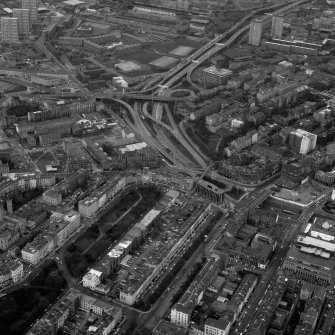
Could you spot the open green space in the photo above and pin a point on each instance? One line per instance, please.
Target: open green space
(204, 139)
(150, 195)
(19, 309)
(78, 259)
(108, 220)
(22, 109)
(4, 85)
(23, 197)
(78, 262)
(35, 155)
(86, 239)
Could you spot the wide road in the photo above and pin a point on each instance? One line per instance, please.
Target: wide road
(206, 49)
(163, 304)
(187, 66)
(255, 302)
(160, 127)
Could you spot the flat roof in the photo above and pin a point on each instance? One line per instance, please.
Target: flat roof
(202, 21)
(181, 51)
(219, 72)
(73, 2)
(164, 62)
(310, 259)
(95, 272)
(150, 217)
(315, 242)
(133, 147)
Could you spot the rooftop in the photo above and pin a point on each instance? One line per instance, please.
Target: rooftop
(218, 72)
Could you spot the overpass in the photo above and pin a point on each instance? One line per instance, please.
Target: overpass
(175, 74)
(187, 66)
(100, 96)
(255, 198)
(219, 46)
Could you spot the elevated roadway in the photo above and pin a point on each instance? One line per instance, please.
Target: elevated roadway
(100, 96)
(219, 46)
(186, 68)
(174, 130)
(132, 117)
(206, 51)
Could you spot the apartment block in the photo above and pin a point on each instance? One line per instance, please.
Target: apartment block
(277, 26)
(32, 5)
(9, 30)
(23, 20)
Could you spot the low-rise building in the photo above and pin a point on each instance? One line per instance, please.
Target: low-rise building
(39, 248)
(215, 76)
(54, 195)
(11, 270)
(327, 178)
(127, 66)
(181, 311)
(217, 327)
(50, 139)
(45, 81)
(107, 315)
(62, 226)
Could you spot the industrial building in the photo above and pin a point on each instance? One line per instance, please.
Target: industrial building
(311, 257)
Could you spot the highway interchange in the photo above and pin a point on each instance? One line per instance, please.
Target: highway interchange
(171, 141)
(183, 153)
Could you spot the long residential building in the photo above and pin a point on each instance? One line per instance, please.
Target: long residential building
(94, 278)
(136, 283)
